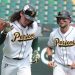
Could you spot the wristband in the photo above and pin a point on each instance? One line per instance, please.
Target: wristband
(50, 58)
(3, 32)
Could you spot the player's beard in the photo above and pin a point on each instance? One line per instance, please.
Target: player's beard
(63, 26)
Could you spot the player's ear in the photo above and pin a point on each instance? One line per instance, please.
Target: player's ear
(21, 13)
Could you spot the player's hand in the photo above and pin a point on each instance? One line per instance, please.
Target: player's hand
(35, 56)
(3, 24)
(8, 28)
(51, 64)
(73, 65)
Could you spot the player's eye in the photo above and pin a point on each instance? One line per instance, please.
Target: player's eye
(61, 18)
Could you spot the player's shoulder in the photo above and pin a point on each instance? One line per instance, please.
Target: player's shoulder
(12, 24)
(54, 31)
(73, 27)
(35, 24)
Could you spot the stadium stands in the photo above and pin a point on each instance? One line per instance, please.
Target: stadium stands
(47, 9)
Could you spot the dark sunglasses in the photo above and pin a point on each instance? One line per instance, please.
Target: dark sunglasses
(61, 18)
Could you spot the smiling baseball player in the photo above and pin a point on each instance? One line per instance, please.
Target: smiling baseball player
(62, 40)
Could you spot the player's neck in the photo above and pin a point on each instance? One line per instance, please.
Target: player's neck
(24, 26)
(65, 29)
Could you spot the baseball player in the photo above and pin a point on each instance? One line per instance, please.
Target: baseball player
(62, 39)
(17, 51)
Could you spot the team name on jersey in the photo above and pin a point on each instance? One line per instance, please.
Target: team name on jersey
(64, 43)
(19, 37)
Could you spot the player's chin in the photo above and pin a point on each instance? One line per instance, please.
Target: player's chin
(62, 26)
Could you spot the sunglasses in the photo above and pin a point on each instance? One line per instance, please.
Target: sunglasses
(61, 18)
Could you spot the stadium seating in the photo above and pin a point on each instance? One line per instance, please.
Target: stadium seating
(46, 9)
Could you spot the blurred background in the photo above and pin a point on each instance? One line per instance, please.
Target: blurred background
(46, 12)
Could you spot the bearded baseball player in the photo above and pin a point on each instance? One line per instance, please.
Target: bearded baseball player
(17, 51)
(62, 40)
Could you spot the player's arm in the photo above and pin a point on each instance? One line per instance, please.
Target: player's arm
(49, 50)
(35, 44)
(2, 37)
(35, 55)
(3, 32)
(49, 53)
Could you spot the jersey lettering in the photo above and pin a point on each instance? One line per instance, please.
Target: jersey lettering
(64, 43)
(19, 37)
